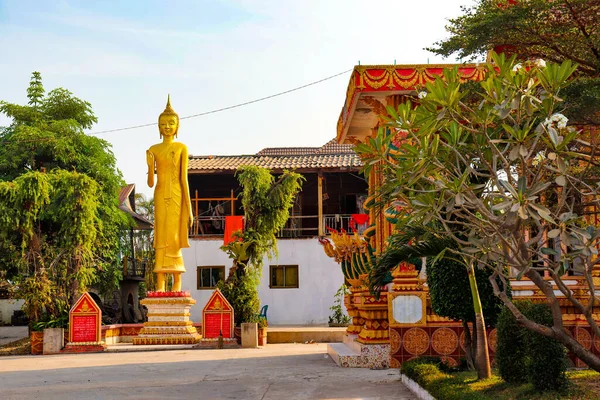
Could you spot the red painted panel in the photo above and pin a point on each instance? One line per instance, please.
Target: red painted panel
(85, 328)
(215, 323)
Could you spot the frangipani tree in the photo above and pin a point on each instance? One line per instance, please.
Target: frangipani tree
(499, 169)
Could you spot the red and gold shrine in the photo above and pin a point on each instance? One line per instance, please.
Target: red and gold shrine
(217, 317)
(85, 324)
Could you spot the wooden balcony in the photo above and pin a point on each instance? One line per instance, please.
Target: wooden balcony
(297, 226)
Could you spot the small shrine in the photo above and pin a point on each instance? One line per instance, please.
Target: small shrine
(85, 322)
(217, 322)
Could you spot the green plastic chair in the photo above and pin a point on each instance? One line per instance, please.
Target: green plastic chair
(263, 312)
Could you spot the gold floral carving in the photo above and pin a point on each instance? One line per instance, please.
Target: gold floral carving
(583, 337)
(377, 81)
(444, 341)
(416, 341)
(130, 331)
(493, 340)
(181, 314)
(597, 342)
(395, 341)
(350, 92)
(169, 331)
(394, 363)
(172, 300)
(168, 323)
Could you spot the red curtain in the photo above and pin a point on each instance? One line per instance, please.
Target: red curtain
(232, 224)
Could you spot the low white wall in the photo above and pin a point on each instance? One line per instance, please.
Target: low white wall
(7, 306)
(319, 279)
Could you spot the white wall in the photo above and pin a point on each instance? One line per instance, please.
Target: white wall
(319, 279)
(7, 306)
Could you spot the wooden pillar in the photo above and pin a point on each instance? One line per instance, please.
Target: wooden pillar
(320, 203)
(232, 203)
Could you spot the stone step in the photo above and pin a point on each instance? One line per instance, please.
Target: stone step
(344, 356)
(301, 334)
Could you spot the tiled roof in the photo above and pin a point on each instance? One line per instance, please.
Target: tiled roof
(286, 151)
(331, 147)
(331, 155)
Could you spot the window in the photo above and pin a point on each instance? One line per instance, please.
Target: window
(209, 276)
(283, 276)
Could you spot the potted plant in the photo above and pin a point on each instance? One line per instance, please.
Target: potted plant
(262, 329)
(50, 326)
(338, 318)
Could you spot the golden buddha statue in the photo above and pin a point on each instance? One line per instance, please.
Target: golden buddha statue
(172, 207)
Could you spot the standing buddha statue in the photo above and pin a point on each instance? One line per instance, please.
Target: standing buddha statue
(172, 206)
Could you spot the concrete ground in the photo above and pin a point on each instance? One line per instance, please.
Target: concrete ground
(277, 371)
(11, 333)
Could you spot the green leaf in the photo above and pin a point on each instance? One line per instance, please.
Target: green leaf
(502, 206)
(553, 233)
(549, 251)
(553, 135)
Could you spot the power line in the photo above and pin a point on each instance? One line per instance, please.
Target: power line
(194, 115)
(229, 107)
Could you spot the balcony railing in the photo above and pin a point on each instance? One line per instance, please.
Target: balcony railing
(297, 226)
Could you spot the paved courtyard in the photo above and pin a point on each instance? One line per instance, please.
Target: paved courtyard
(278, 371)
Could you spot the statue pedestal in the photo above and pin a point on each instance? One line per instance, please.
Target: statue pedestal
(168, 319)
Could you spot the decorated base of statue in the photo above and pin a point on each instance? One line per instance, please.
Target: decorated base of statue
(168, 319)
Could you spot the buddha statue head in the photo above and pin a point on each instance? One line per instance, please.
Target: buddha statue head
(168, 121)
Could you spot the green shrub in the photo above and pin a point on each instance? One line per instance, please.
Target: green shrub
(547, 357)
(523, 355)
(242, 294)
(425, 373)
(510, 348)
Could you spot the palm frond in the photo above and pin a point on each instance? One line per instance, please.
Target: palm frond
(425, 243)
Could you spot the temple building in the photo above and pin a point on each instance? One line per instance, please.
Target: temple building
(401, 325)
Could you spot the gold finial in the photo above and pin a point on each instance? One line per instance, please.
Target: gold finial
(168, 109)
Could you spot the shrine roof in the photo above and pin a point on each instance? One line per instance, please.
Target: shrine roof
(374, 86)
(329, 156)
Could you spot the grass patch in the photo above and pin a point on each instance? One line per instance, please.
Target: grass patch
(17, 348)
(583, 385)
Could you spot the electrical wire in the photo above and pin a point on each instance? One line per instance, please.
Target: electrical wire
(230, 107)
(199, 114)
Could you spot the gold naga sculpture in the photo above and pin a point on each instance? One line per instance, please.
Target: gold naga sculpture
(172, 206)
(352, 252)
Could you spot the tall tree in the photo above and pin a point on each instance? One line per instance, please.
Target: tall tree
(59, 215)
(555, 31)
(267, 201)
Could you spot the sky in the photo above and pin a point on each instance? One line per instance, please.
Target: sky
(125, 57)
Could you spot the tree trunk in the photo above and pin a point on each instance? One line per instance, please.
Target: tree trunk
(468, 345)
(557, 331)
(482, 358)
